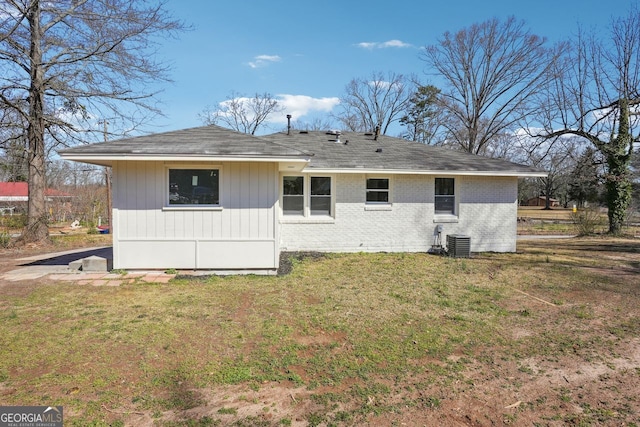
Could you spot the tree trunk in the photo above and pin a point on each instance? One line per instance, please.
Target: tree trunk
(618, 181)
(618, 186)
(37, 229)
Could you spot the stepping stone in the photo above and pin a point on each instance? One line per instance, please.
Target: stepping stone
(94, 263)
(75, 265)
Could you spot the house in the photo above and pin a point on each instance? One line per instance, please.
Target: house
(210, 198)
(15, 195)
(542, 201)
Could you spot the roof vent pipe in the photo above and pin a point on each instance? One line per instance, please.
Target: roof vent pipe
(288, 124)
(375, 138)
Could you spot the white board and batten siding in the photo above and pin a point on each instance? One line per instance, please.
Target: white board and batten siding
(240, 234)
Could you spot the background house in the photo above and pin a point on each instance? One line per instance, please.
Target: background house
(14, 197)
(211, 198)
(541, 201)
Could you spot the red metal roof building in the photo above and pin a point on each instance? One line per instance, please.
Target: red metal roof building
(19, 192)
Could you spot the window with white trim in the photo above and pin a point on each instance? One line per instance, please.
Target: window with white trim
(320, 196)
(445, 198)
(293, 195)
(377, 190)
(306, 196)
(194, 187)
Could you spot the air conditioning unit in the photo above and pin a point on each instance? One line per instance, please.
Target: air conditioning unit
(458, 246)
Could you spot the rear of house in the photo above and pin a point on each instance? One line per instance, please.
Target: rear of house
(223, 217)
(362, 192)
(212, 199)
(413, 218)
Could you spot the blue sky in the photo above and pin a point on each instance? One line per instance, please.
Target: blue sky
(306, 52)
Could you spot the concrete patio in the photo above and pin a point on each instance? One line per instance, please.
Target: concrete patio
(55, 266)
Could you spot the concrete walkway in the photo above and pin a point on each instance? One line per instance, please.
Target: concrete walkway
(55, 266)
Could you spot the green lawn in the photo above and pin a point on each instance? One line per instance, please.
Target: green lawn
(341, 340)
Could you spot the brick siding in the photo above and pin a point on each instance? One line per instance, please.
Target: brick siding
(486, 211)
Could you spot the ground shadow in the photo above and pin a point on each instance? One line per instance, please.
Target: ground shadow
(65, 259)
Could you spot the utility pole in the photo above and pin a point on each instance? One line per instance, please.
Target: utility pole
(107, 175)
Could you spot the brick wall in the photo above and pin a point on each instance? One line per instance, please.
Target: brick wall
(486, 211)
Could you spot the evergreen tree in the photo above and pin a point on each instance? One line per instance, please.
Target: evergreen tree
(585, 179)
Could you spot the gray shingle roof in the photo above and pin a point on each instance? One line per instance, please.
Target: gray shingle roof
(354, 151)
(199, 141)
(362, 151)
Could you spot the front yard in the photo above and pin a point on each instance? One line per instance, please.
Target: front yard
(547, 336)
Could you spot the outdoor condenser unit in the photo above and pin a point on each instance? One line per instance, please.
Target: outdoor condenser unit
(458, 246)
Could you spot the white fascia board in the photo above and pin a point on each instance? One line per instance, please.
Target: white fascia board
(14, 199)
(427, 172)
(108, 160)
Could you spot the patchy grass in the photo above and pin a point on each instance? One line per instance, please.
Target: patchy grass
(343, 339)
(536, 220)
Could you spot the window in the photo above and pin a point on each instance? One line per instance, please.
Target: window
(445, 199)
(307, 196)
(320, 202)
(377, 190)
(194, 187)
(293, 195)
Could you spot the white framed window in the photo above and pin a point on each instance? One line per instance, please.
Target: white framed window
(191, 186)
(305, 196)
(320, 200)
(378, 191)
(445, 196)
(293, 195)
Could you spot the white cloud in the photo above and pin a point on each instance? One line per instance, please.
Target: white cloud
(296, 105)
(394, 43)
(381, 84)
(302, 105)
(367, 45)
(383, 45)
(263, 60)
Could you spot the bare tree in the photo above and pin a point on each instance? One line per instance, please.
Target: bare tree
(316, 124)
(70, 175)
(13, 162)
(585, 181)
(596, 98)
(67, 64)
(504, 145)
(13, 146)
(491, 69)
(557, 157)
(375, 102)
(241, 113)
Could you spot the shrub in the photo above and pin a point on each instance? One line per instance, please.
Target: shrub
(586, 221)
(13, 221)
(5, 239)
